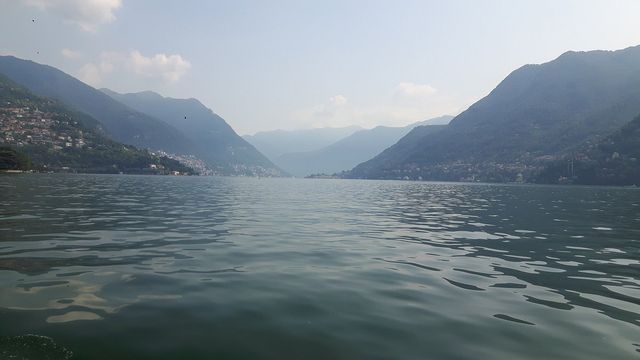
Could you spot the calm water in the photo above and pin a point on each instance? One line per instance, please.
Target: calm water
(113, 267)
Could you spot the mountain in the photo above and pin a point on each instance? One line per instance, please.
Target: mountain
(119, 121)
(348, 152)
(532, 118)
(278, 142)
(388, 158)
(214, 141)
(613, 161)
(440, 120)
(41, 133)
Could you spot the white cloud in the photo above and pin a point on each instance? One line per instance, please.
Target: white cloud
(168, 67)
(90, 74)
(338, 100)
(93, 73)
(157, 68)
(87, 14)
(71, 54)
(402, 105)
(413, 90)
(325, 112)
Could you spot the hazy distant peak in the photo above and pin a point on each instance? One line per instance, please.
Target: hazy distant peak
(440, 120)
(352, 128)
(149, 94)
(275, 143)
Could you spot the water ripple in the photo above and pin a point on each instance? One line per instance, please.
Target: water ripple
(318, 269)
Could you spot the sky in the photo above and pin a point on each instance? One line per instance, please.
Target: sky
(297, 64)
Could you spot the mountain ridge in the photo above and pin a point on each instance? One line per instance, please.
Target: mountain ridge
(56, 138)
(275, 143)
(351, 150)
(214, 139)
(532, 116)
(119, 121)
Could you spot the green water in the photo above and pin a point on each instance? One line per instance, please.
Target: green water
(142, 267)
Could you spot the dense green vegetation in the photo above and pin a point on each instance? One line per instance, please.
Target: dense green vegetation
(534, 117)
(106, 157)
(98, 154)
(11, 159)
(613, 161)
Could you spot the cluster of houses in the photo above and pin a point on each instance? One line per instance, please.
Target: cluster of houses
(28, 126)
(189, 160)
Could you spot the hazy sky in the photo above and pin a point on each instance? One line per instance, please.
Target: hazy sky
(270, 64)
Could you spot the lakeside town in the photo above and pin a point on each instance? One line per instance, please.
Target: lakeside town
(35, 137)
(23, 125)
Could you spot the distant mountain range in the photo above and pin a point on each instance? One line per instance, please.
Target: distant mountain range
(148, 121)
(43, 134)
(571, 120)
(276, 143)
(349, 151)
(212, 139)
(537, 116)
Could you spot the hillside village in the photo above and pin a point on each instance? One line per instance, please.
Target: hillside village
(23, 125)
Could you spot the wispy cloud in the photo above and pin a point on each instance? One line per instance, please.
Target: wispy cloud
(93, 73)
(71, 54)
(157, 68)
(338, 100)
(324, 113)
(168, 67)
(87, 14)
(90, 74)
(406, 103)
(413, 90)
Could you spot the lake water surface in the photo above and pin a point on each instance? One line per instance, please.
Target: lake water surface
(144, 267)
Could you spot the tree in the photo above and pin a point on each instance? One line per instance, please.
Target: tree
(11, 159)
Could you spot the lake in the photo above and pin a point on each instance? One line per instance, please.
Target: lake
(151, 267)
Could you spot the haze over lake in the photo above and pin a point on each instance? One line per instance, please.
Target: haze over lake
(211, 267)
(311, 180)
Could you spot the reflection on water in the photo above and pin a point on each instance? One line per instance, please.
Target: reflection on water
(164, 267)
